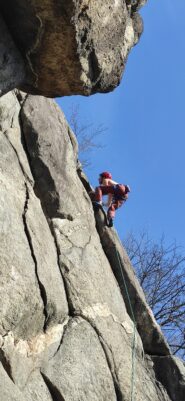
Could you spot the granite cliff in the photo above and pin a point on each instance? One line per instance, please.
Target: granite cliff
(67, 329)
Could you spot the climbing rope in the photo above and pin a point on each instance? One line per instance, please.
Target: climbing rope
(134, 332)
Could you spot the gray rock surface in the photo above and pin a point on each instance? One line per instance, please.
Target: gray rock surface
(45, 255)
(9, 112)
(65, 333)
(71, 46)
(36, 389)
(81, 359)
(56, 183)
(23, 357)
(91, 288)
(170, 371)
(149, 330)
(9, 392)
(28, 264)
(12, 69)
(21, 308)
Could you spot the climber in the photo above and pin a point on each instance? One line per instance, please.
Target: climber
(117, 195)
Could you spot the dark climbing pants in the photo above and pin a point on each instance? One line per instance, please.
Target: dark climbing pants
(117, 192)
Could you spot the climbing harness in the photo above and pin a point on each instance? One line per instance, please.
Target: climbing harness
(134, 332)
(118, 193)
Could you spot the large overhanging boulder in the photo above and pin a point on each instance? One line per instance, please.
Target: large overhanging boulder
(72, 46)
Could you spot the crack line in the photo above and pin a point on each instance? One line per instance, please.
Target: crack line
(45, 211)
(53, 390)
(50, 224)
(33, 49)
(115, 379)
(29, 239)
(20, 164)
(27, 232)
(6, 364)
(63, 335)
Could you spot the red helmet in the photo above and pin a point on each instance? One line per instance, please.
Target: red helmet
(106, 174)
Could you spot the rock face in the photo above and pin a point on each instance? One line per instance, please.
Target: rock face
(151, 335)
(68, 46)
(12, 70)
(66, 331)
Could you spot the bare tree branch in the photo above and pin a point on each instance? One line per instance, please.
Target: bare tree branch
(86, 134)
(161, 272)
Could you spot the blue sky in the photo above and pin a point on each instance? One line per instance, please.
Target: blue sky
(145, 141)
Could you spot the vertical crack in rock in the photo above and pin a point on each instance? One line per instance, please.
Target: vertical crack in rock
(6, 364)
(53, 390)
(94, 69)
(88, 188)
(62, 338)
(86, 44)
(50, 200)
(29, 239)
(20, 164)
(73, 141)
(28, 235)
(70, 306)
(33, 49)
(47, 212)
(21, 97)
(115, 379)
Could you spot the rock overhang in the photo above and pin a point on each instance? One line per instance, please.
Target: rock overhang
(72, 47)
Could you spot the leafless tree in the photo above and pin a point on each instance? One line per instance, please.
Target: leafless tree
(87, 135)
(161, 272)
